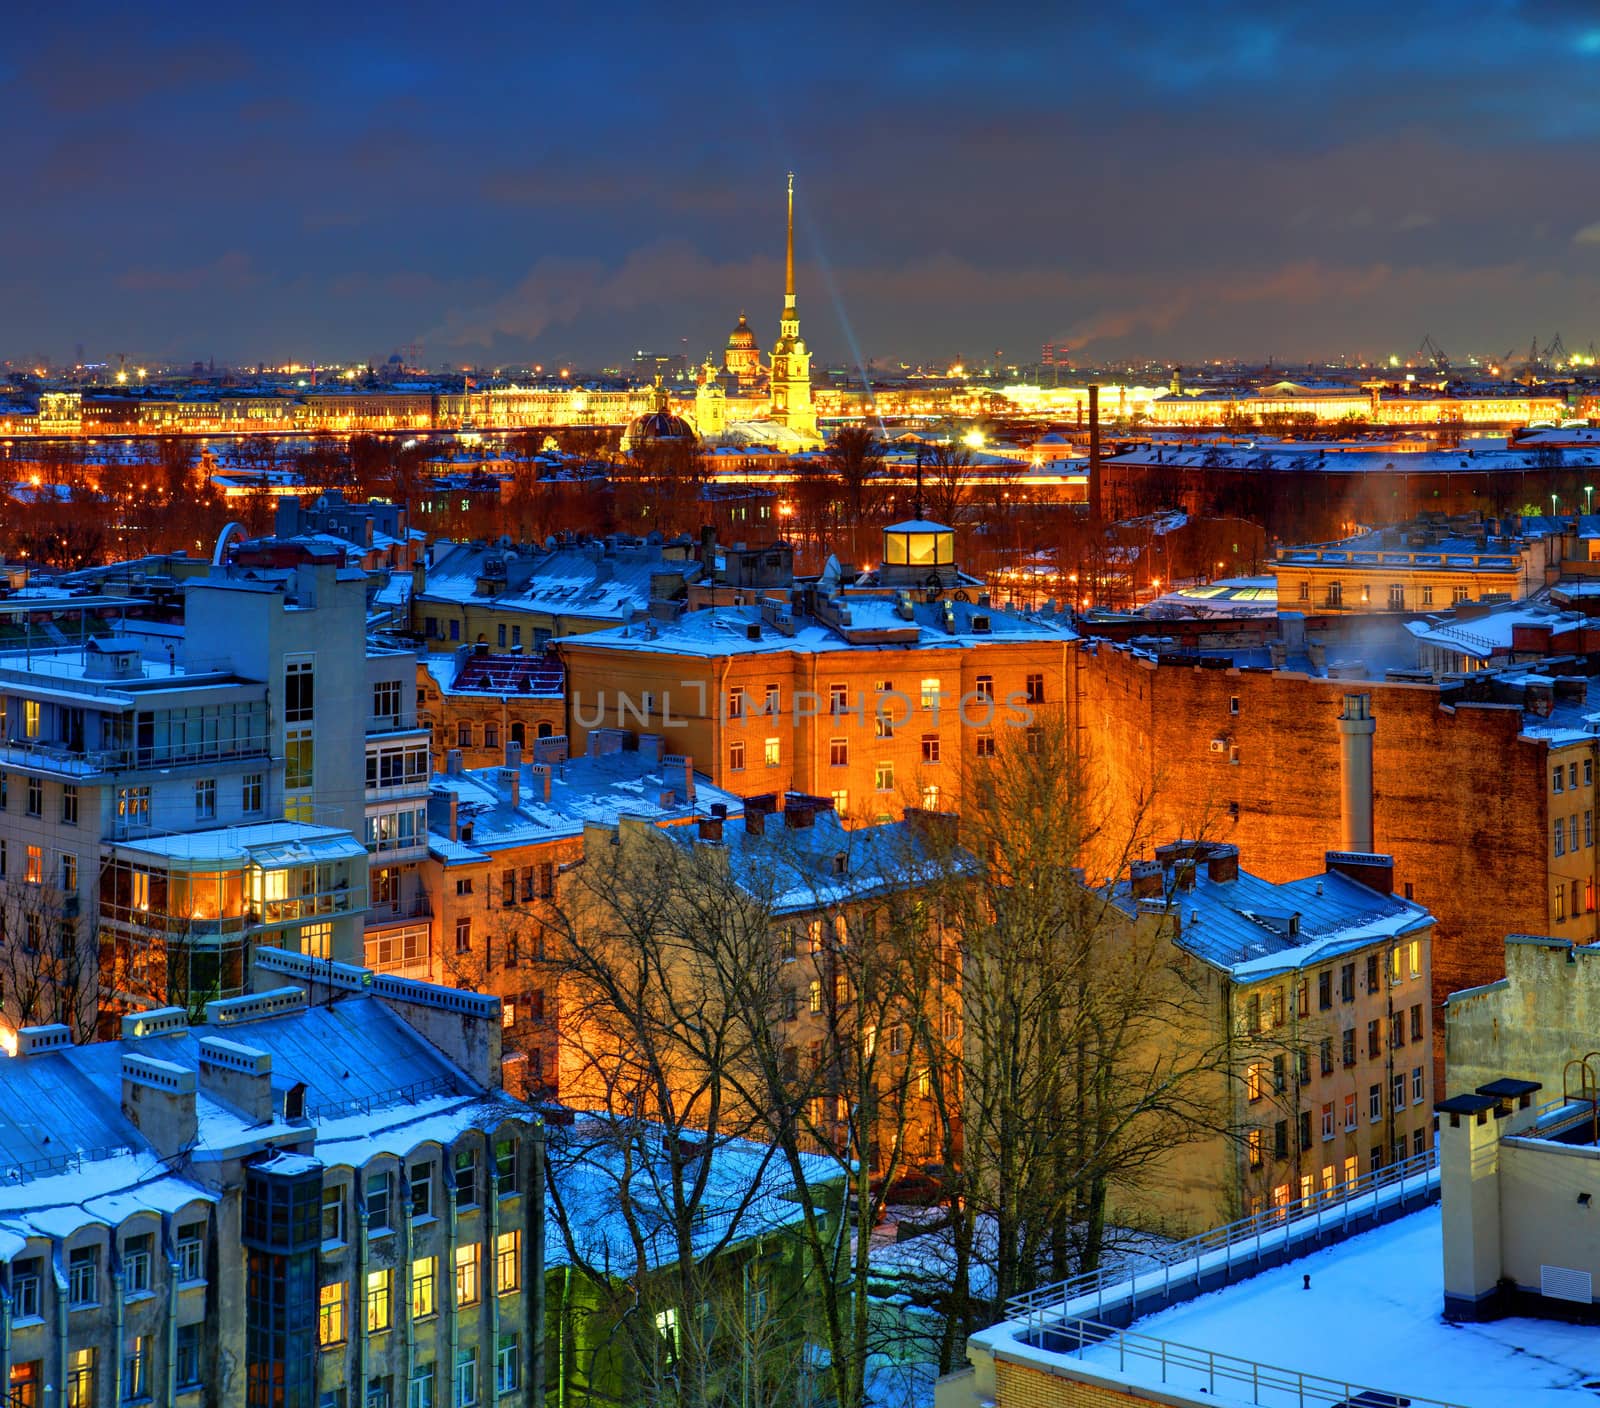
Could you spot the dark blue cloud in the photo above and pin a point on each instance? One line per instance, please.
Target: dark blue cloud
(535, 181)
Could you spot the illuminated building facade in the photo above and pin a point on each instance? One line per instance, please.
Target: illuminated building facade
(741, 359)
(878, 697)
(1319, 990)
(1420, 567)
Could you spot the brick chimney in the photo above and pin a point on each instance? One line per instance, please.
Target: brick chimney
(541, 774)
(711, 828)
(756, 812)
(1222, 864)
(1365, 867)
(1145, 880)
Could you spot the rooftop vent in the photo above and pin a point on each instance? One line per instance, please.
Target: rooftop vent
(160, 1022)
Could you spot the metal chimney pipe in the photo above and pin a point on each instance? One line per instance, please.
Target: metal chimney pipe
(1356, 727)
(1094, 452)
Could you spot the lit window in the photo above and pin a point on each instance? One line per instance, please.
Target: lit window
(423, 1272)
(930, 796)
(81, 1378)
(380, 1298)
(883, 777)
(930, 693)
(468, 1286)
(330, 1314)
(771, 752)
(508, 1262)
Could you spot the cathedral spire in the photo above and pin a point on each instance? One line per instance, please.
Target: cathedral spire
(788, 264)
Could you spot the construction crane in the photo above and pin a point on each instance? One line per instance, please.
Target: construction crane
(1430, 351)
(1556, 352)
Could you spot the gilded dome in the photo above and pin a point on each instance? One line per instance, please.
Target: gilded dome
(741, 336)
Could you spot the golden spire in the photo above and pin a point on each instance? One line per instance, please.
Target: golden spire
(788, 278)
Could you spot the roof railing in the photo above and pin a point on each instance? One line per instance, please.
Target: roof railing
(1303, 1220)
(1186, 1366)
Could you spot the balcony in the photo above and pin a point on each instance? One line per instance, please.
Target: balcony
(40, 755)
(382, 913)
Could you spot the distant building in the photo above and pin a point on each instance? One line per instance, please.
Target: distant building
(1416, 567)
(475, 702)
(518, 597)
(791, 363)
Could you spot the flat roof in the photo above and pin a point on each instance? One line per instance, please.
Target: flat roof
(1373, 1318)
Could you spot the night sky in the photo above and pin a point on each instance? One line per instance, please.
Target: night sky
(505, 183)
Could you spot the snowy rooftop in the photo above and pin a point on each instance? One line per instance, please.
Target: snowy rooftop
(597, 1166)
(740, 630)
(1255, 928)
(1372, 1317)
(70, 1157)
(820, 862)
(597, 789)
(591, 581)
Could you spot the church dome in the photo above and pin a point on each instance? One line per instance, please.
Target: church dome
(741, 336)
(659, 425)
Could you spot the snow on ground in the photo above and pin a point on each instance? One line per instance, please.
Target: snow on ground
(1373, 1317)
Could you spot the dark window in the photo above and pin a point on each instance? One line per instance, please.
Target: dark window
(466, 1178)
(1326, 1063)
(1305, 1129)
(1325, 990)
(1347, 1046)
(1280, 1140)
(1347, 983)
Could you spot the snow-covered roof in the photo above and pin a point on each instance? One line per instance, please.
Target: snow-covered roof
(70, 1157)
(714, 632)
(596, 1166)
(594, 789)
(1384, 1291)
(1255, 928)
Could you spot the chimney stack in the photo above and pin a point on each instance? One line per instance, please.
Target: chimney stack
(756, 812)
(1356, 727)
(541, 773)
(1094, 452)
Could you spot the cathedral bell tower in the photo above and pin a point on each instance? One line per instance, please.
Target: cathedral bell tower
(791, 363)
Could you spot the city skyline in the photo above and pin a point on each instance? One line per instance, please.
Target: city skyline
(572, 189)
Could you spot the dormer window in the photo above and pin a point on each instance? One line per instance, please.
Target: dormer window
(841, 864)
